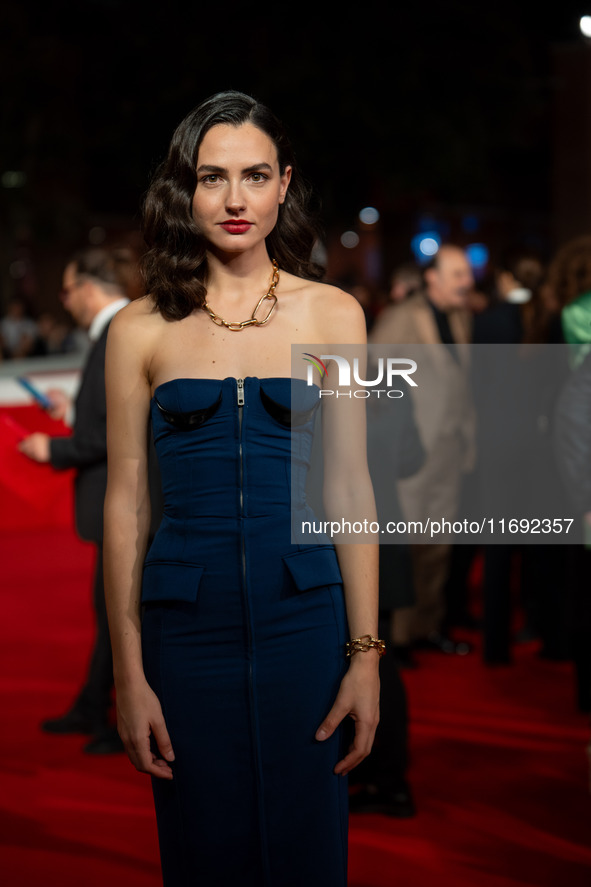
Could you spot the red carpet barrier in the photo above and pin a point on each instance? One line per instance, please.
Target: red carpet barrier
(32, 496)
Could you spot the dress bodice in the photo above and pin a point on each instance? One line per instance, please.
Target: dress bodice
(233, 447)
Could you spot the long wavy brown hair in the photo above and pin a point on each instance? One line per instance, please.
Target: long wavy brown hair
(175, 265)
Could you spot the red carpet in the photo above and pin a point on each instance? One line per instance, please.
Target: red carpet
(499, 768)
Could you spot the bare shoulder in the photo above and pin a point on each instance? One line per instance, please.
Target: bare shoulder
(139, 320)
(140, 313)
(134, 333)
(342, 316)
(337, 315)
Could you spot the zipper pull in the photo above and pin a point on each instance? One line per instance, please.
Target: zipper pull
(240, 392)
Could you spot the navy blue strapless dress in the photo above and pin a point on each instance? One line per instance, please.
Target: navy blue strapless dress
(243, 637)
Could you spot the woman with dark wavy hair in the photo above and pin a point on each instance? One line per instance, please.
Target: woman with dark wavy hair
(237, 653)
(175, 265)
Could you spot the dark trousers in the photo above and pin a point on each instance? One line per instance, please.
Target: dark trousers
(94, 699)
(541, 585)
(578, 583)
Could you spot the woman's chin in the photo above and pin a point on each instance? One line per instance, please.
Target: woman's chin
(236, 247)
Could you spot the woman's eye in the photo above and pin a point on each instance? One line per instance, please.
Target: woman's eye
(210, 179)
(258, 177)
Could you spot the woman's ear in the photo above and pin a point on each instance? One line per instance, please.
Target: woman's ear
(285, 180)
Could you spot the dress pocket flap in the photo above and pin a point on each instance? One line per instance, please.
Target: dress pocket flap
(313, 568)
(170, 581)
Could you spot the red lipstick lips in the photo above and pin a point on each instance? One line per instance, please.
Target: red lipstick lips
(236, 226)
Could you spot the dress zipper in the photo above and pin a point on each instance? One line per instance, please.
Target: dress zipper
(255, 736)
(240, 399)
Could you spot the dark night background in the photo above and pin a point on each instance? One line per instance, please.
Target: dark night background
(425, 108)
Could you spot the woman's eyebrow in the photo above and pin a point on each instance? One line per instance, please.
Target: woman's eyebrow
(210, 169)
(258, 167)
(207, 167)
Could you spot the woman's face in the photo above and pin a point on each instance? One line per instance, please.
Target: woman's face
(239, 187)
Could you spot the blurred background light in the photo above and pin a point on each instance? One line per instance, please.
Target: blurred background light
(585, 25)
(478, 256)
(349, 239)
(428, 246)
(425, 245)
(369, 215)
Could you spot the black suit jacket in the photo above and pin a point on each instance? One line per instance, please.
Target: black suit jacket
(86, 449)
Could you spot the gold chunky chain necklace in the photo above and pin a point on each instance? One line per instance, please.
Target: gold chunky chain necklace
(237, 325)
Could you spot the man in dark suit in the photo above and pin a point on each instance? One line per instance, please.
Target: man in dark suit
(94, 285)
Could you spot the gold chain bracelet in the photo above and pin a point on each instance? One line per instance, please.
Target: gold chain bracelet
(365, 643)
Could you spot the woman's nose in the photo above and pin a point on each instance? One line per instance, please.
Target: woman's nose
(235, 201)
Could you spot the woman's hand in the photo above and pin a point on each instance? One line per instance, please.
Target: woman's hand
(359, 697)
(139, 715)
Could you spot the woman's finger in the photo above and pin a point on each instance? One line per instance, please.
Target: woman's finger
(139, 751)
(359, 749)
(332, 720)
(162, 739)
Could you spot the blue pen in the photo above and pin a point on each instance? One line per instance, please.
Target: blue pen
(41, 398)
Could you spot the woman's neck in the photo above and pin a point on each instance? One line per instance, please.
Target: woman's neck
(238, 275)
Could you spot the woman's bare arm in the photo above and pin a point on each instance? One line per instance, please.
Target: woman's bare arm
(348, 495)
(127, 522)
